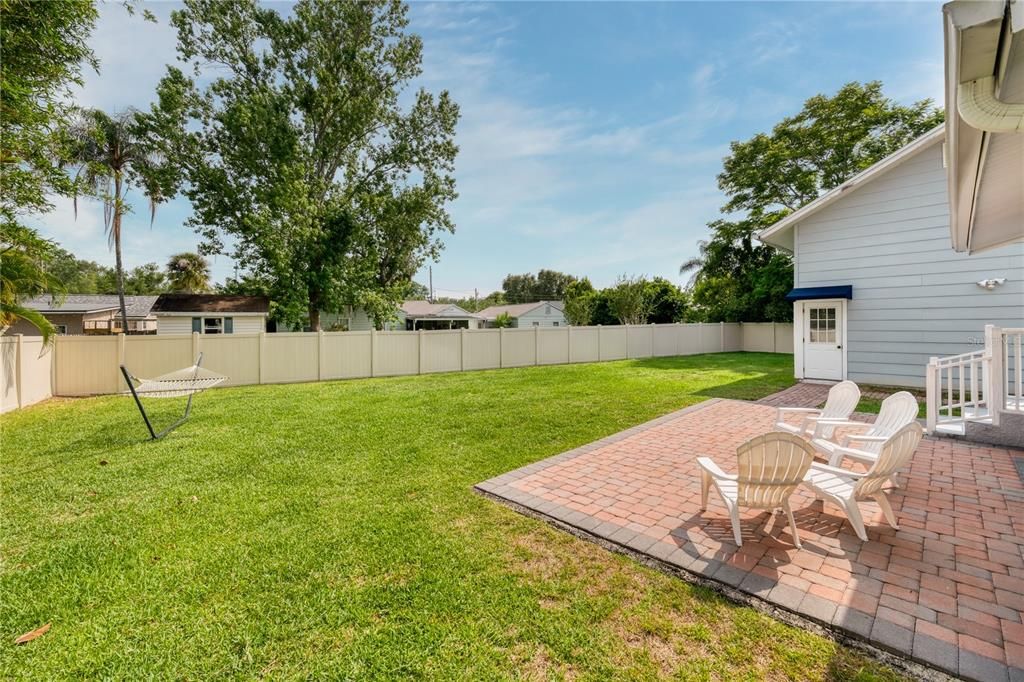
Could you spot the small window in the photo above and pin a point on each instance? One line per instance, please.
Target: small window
(61, 329)
(536, 324)
(547, 310)
(555, 323)
(213, 325)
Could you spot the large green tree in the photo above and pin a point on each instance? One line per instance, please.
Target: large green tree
(772, 174)
(628, 300)
(579, 301)
(112, 155)
(300, 149)
(546, 285)
(42, 51)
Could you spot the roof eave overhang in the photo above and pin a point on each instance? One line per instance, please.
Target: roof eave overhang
(982, 31)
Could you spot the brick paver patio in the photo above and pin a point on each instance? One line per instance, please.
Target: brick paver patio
(947, 589)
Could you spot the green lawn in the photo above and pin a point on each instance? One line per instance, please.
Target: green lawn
(330, 531)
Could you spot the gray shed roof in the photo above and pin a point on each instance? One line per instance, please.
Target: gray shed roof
(136, 306)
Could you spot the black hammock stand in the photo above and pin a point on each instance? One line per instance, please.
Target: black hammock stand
(188, 381)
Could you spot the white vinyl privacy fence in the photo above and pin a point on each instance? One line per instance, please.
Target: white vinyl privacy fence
(88, 365)
(25, 371)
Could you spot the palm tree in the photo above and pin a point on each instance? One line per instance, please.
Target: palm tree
(111, 155)
(188, 272)
(25, 256)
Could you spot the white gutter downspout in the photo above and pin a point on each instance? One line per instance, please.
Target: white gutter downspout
(979, 108)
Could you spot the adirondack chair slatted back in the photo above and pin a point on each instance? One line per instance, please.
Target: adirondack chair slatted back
(842, 400)
(771, 466)
(894, 456)
(897, 411)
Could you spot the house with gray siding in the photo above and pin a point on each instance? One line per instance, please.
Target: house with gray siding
(536, 314)
(877, 289)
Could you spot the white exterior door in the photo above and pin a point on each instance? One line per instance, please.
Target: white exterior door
(823, 339)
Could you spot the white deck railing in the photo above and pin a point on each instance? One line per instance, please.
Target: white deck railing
(1013, 368)
(958, 388)
(978, 385)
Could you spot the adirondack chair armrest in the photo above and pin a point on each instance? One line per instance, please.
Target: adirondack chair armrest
(838, 471)
(841, 451)
(798, 409)
(708, 465)
(862, 437)
(821, 422)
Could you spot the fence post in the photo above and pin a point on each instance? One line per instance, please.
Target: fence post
(53, 367)
(419, 351)
(721, 337)
(17, 369)
(462, 349)
(775, 339)
(373, 351)
(195, 345)
(993, 384)
(930, 386)
(599, 358)
(536, 345)
(262, 354)
(501, 347)
(320, 355)
(568, 345)
(120, 360)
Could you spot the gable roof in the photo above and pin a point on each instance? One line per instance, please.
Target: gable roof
(135, 306)
(517, 310)
(210, 303)
(780, 234)
(428, 309)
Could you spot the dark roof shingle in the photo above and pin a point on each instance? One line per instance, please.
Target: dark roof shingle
(210, 303)
(136, 306)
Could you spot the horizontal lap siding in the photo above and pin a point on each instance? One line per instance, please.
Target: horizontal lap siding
(913, 296)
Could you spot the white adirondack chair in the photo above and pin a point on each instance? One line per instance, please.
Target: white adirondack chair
(844, 488)
(897, 411)
(841, 401)
(771, 466)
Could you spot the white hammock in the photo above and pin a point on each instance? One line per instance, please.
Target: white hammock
(184, 382)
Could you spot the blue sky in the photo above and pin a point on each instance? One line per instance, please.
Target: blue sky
(591, 133)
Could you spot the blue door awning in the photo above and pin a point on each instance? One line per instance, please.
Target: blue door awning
(808, 293)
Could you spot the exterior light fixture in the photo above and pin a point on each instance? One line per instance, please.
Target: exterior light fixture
(990, 284)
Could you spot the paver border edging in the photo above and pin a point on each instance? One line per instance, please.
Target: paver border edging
(911, 667)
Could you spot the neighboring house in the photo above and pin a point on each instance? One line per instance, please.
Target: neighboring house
(210, 314)
(89, 314)
(411, 316)
(877, 289)
(538, 314)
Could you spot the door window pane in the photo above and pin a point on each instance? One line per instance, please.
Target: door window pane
(821, 325)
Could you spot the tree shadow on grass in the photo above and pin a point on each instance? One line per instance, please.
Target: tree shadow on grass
(758, 383)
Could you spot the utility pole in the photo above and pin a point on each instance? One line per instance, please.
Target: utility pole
(430, 271)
